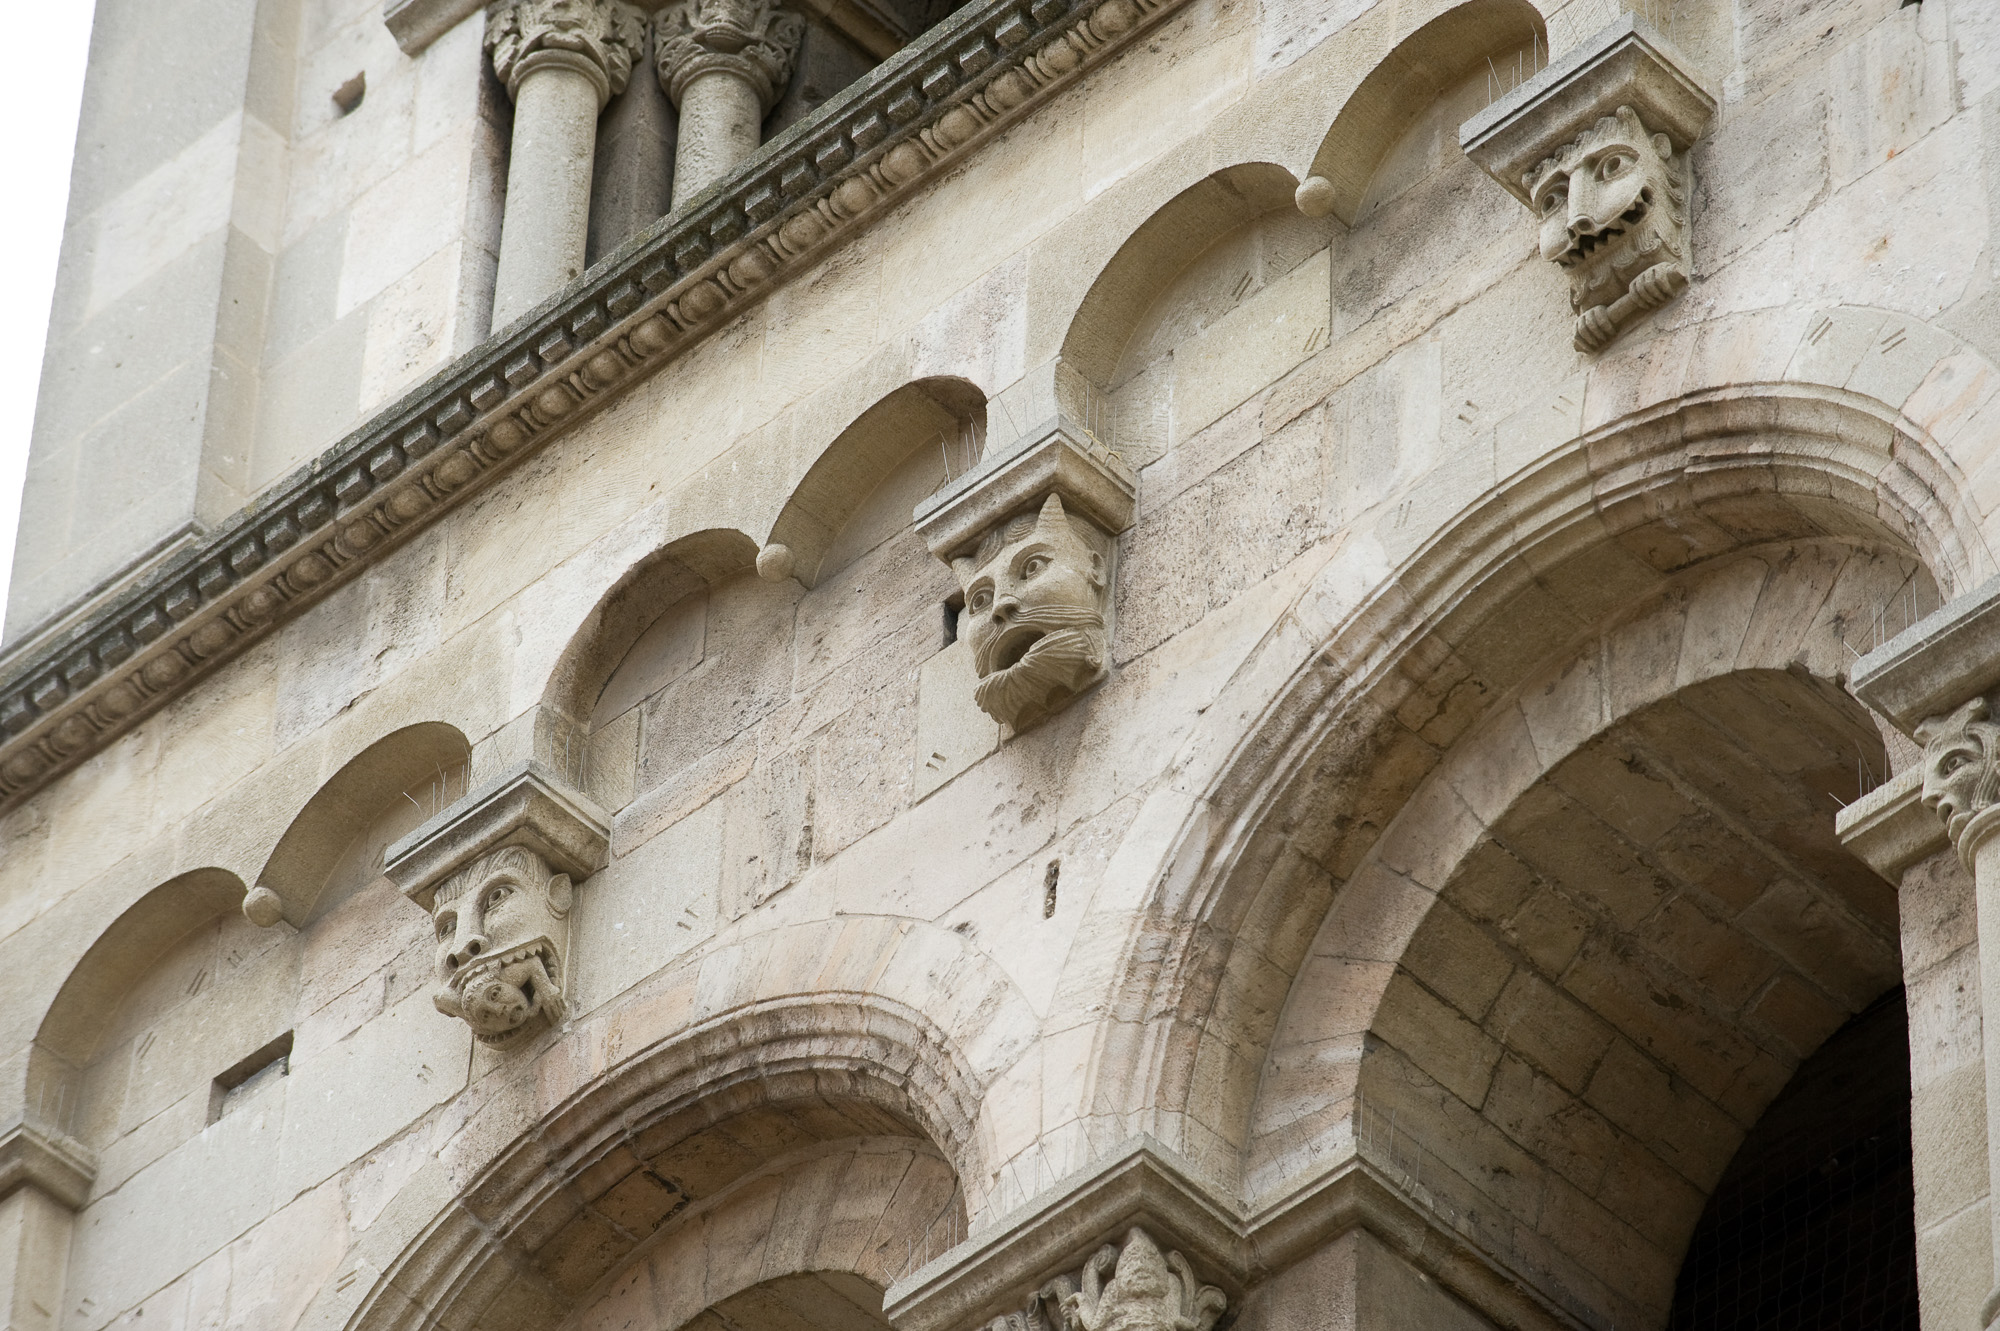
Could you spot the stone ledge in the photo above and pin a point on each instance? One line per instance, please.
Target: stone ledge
(68, 692)
(62, 1168)
(415, 24)
(1094, 483)
(528, 805)
(1937, 663)
(1889, 828)
(993, 1272)
(1627, 64)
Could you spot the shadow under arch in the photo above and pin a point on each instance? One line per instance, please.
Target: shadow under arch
(631, 605)
(1369, 710)
(1423, 66)
(951, 410)
(527, 1234)
(1162, 246)
(88, 1001)
(349, 800)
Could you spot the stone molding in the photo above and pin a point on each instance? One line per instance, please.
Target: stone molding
(415, 24)
(528, 805)
(1596, 146)
(1006, 1271)
(754, 41)
(599, 38)
(1935, 664)
(67, 692)
(1889, 827)
(62, 1168)
(1031, 538)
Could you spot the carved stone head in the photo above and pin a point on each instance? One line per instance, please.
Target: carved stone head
(502, 933)
(1961, 765)
(1613, 208)
(1147, 1291)
(755, 40)
(608, 33)
(1034, 613)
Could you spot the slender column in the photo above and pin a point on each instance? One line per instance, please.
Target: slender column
(724, 64)
(1961, 782)
(561, 60)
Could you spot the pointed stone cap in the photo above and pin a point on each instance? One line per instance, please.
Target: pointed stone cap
(1093, 481)
(529, 806)
(1627, 64)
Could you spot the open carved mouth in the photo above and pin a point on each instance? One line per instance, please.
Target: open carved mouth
(1014, 644)
(493, 962)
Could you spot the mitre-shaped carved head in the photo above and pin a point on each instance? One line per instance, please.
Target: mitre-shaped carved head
(1148, 1291)
(1034, 614)
(1613, 204)
(502, 932)
(1961, 765)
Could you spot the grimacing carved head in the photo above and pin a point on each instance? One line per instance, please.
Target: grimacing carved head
(1613, 204)
(502, 929)
(1034, 614)
(1961, 765)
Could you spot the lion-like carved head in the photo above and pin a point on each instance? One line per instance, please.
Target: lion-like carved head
(1034, 614)
(502, 927)
(1961, 765)
(1612, 204)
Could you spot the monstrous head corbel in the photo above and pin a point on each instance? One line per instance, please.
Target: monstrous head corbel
(1596, 145)
(502, 927)
(1961, 768)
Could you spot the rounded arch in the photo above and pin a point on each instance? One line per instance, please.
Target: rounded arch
(631, 605)
(89, 999)
(1379, 684)
(680, 1129)
(1162, 246)
(846, 473)
(297, 870)
(1422, 67)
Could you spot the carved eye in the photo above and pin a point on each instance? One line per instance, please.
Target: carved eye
(1953, 763)
(980, 601)
(497, 895)
(1614, 165)
(1034, 566)
(445, 925)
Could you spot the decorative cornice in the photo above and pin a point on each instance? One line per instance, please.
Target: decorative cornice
(68, 692)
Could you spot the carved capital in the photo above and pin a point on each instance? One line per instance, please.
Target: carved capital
(753, 40)
(496, 872)
(1596, 146)
(600, 38)
(1030, 538)
(1962, 773)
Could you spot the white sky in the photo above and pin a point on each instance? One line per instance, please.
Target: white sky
(43, 87)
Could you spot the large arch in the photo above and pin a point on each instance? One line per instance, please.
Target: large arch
(1374, 677)
(679, 1132)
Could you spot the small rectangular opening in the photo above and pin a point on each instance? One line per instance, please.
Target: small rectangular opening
(231, 1087)
(952, 605)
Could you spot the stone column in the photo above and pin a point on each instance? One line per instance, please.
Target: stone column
(561, 60)
(724, 64)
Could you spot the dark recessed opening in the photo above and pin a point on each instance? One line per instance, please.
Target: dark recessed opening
(952, 606)
(1813, 1225)
(250, 1074)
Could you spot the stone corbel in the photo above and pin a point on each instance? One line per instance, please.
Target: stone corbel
(50, 1162)
(1596, 146)
(496, 872)
(1031, 537)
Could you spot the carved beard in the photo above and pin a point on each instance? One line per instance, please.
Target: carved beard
(1065, 657)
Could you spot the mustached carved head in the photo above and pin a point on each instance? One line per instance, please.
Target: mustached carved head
(1613, 204)
(1034, 614)
(1961, 765)
(502, 927)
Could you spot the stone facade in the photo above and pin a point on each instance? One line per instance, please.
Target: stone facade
(1153, 664)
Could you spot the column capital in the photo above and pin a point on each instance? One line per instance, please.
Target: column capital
(754, 40)
(1962, 774)
(599, 38)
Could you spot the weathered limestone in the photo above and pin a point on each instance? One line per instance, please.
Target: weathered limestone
(724, 63)
(497, 871)
(1596, 146)
(561, 61)
(1030, 539)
